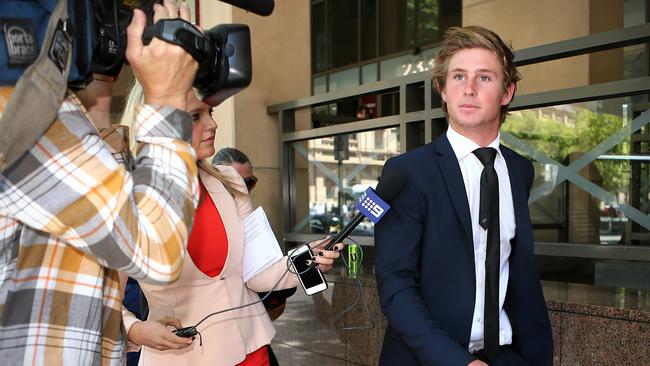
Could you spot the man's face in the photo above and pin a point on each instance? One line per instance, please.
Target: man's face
(246, 172)
(474, 92)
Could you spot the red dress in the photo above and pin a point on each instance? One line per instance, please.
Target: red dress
(208, 248)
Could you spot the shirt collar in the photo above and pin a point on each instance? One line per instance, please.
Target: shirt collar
(463, 146)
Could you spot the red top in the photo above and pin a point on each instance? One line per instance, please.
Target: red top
(257, 358)
(208, 248)
(208, 243)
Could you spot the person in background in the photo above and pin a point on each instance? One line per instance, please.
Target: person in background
(238, 160)
(212, 272)
(71, 217)
(276, 301)
(363, 112)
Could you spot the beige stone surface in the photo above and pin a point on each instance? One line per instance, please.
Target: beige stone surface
(529, 23)
(608, 65)
(212, 13)
(281, 72)
(266, 195)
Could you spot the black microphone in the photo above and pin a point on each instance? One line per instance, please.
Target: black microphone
(390, 184)
(259, 7)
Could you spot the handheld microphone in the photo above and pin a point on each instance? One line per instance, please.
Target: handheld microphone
(259, 7)
(372, 204)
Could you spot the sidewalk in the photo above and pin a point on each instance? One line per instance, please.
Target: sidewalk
(306, 336)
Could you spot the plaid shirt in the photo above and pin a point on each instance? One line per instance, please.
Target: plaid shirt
(71, 216)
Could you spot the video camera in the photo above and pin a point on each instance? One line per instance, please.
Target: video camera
(99, 42)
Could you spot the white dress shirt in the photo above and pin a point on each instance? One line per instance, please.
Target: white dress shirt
(471, 168)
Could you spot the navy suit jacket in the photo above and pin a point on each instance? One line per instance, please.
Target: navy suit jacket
(425, 264)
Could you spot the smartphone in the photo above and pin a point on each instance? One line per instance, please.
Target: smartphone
(312, 280)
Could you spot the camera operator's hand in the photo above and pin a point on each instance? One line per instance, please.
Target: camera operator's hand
(168, 10)
(165, 71)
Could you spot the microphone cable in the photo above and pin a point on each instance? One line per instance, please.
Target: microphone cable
(191, 331)
(360, 297)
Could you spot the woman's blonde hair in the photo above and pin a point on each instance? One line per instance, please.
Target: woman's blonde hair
(136, 99)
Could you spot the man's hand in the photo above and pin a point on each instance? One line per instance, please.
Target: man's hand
(165, 71)
(477, 363)
(155, 334)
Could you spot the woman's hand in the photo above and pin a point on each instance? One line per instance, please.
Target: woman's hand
(325, 258)
(155, 334)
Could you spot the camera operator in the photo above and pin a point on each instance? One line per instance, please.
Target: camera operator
(71, 216)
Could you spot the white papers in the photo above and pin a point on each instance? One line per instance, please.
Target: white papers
(261, 249)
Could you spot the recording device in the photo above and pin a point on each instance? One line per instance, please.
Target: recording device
(186, 332)
(97, 29)
(310, 278)
(189, 332)
(372, 204)
(192, 331)
(111, 18)
(23, 28)
(222, 52)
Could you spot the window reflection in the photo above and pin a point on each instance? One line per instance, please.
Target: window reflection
(592, 171)
(335, 171)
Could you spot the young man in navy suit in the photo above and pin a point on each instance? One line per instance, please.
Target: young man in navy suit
(449, 297)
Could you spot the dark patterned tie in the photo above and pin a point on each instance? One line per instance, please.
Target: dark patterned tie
(489, 220)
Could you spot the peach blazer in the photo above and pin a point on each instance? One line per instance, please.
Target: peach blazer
(228, 337)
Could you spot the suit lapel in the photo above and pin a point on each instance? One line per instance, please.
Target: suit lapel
(453, 178)
(517, 185)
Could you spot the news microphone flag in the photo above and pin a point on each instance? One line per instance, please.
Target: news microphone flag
(371, 205)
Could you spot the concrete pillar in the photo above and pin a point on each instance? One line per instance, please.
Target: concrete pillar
(281, 72)
(212, 13)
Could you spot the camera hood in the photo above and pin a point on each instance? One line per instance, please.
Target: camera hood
(223, 54)
(232, 69)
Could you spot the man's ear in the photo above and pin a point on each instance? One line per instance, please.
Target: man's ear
(443, 94)
(509, 94)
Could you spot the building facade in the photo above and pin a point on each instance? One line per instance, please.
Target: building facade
(576, 115)
(342, 85)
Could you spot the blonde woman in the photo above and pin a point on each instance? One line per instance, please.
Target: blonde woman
(212, 273)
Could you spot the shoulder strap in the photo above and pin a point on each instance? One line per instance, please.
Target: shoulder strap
(38, 94)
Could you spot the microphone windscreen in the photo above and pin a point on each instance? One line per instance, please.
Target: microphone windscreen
(259, 7)
(390, 184)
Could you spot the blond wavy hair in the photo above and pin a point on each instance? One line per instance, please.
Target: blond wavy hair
(136, 99)
(460, 38)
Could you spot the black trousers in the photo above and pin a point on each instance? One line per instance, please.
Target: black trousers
(273, 361)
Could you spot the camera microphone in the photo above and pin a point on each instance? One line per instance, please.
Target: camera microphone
(372, 203)
(259, 7)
